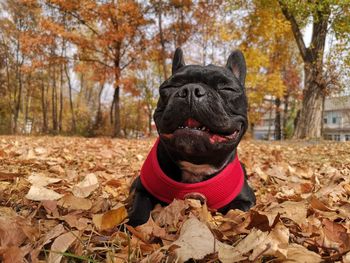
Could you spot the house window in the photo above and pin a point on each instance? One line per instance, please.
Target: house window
(328, 137)
(337, 137)
(335, 117)
(325, 120)
(347, 137)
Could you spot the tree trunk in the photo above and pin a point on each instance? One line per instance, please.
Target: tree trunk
(161, 39)
(74, 126)
(60, 117)
(116, 132)
(277, 119)
(98, 118)
(18, 103)
(270, 117)
(43, 107)
(27, 102)
(310, 121)
(54, 102)
(111, 115)
(18, 92)
(285, 115)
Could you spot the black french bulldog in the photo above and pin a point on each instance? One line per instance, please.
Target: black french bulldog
(201, 117)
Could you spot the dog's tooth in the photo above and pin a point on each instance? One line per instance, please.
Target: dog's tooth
(203, 128)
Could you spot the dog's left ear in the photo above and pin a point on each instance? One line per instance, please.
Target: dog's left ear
(178, 60)
(236, 64)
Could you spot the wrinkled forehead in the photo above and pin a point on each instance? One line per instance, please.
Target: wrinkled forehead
(211, 75)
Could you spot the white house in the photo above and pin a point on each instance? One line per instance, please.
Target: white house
(336, 119)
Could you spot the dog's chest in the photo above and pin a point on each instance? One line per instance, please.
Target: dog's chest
(194, 173)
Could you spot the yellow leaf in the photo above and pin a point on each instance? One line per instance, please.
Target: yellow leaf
(110, 219)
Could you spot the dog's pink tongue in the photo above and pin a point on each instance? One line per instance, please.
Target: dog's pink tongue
(192, 123)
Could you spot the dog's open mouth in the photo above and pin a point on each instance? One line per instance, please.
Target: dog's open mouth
(193, 127)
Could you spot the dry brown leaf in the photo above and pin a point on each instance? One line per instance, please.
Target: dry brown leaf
(228, 254)
(317, 204)
(336, 232)
(86, 187)
(148, 231)
(172, 214)
(50, 207)
(60, 245)
(262, 220)
(57, 169)
(74, 203)
(53, 233)
(39, 193)
(6, 176)
(295, 211)
(195, 241)
(299, 254)
(110, 219)
(40, 180)
(76, 221)
(15, 230)
(14, 254)
(275, 244)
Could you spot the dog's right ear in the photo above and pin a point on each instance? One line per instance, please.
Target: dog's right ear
(236, 64)
(178, 60)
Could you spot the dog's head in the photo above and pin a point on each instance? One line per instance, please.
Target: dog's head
(202, 111)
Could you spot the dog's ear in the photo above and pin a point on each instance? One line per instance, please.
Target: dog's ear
(178, 60)
(236, 64)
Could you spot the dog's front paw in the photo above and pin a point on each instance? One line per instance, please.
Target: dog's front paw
(136, 219)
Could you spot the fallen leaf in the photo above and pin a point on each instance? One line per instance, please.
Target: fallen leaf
(317, 204)
(148, 231)
(60, 245)
(15, 230)
(275, 244)
(299, 254)
(39, 193)
(53, 233)
(40, 180)
(172, 214)
(14, 254)
(50, 206)
(5, 176)
(76, 221)
(74, 203)
(336, 232)
(295, 211)
(110, 219)
(57, 169)
(229, 254)
(195, 241)
(86, 187)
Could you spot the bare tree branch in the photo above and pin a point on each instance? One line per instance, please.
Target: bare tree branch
(304, 51)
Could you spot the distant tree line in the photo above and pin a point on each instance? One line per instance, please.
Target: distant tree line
(58, 58)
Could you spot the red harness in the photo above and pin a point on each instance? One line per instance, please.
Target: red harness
(219, 190)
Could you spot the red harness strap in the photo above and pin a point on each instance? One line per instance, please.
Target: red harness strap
(219, 190)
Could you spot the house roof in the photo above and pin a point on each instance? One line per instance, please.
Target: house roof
(337, 103)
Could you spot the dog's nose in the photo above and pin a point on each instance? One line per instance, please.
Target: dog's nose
(195, 91)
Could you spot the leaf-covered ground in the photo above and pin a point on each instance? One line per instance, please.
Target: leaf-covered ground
(62, 199)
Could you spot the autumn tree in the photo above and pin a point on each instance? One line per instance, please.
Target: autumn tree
(107, 34)
(18, 20)
(267, 42)
(326, 17)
